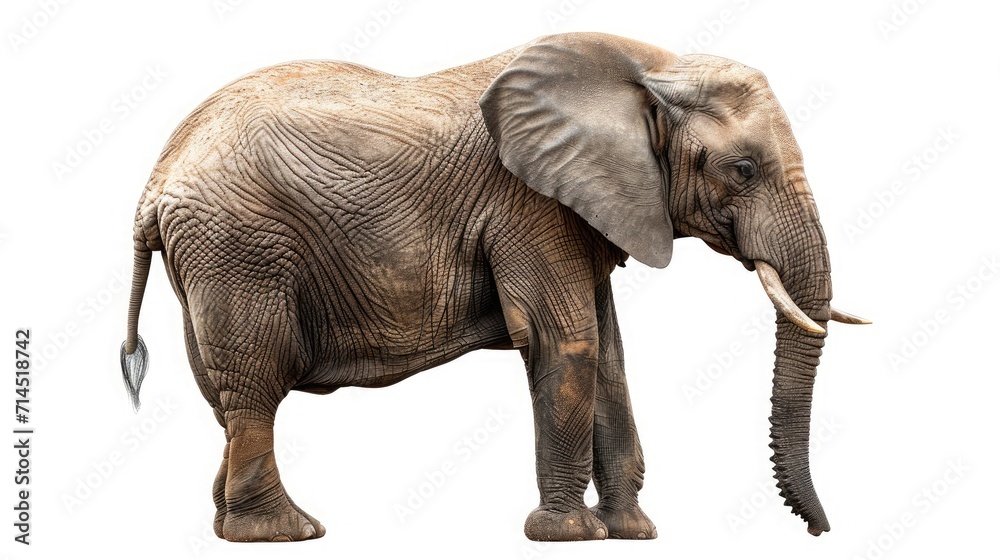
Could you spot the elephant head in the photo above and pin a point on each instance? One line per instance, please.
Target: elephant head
(647, 147)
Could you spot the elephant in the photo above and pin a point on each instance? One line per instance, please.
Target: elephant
(326, 225)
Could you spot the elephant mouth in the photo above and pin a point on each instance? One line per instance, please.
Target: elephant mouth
(735, 253)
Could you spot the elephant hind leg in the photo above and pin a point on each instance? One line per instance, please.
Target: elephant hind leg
(209, 390)
(249, 348)
(257, 506)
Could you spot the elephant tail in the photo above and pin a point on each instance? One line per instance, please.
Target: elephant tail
(134, 356)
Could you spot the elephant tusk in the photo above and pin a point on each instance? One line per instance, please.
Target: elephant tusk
(782, 301)
(841, 317)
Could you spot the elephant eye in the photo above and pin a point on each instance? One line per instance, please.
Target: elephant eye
(746, 170)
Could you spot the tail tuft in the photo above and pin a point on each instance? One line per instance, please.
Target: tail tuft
(134, 367)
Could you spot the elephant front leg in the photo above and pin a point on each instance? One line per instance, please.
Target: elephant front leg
(562, 379)
(618, 463)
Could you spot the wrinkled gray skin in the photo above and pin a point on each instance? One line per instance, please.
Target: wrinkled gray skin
(327, 225)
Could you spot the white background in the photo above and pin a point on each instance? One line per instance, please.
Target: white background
(871, 86)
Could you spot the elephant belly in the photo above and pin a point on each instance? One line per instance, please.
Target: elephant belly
(408, 329)
(399, 301)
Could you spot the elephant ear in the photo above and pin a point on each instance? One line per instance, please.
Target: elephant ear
(573, 120)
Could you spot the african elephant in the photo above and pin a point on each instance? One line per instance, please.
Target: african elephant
(327, 225)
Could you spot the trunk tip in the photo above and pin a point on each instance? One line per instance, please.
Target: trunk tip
(801, 498)
(818, 528)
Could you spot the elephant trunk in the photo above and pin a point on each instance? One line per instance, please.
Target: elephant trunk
(805, 281)
(797, 355)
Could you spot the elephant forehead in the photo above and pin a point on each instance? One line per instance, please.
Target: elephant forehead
(721, 76)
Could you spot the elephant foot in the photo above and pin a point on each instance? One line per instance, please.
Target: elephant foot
(320, 529)
(289, 524)
(219, 523)
(220, 520)
(578, 525)
(627, 523)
